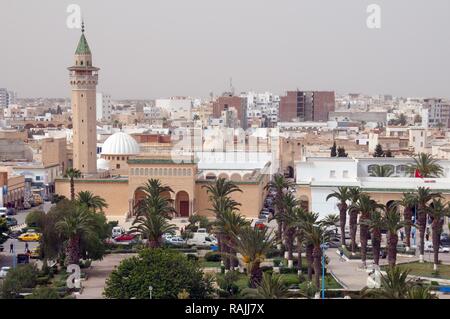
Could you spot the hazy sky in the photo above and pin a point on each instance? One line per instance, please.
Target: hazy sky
(162, 48)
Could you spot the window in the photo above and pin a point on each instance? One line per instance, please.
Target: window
(117, 166)
(332, 174)
(345, 174)
(38, 178)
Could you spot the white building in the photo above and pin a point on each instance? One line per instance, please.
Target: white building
(177, 107)
(104, 107)
(435, 112)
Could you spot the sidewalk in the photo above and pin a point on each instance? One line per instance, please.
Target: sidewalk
(348, 272)
(93, 287)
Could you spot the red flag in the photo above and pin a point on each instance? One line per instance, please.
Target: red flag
(417, 174)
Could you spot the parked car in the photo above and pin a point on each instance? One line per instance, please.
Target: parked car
(125, 237)
(11, 221)
(4, 271)
(445, 240)
(202, 239)
(117, 231)
(29, 237)
(35, 253)
(15, 233)
(11, 211)
(23, 259)
(176, 241)
(429, 248)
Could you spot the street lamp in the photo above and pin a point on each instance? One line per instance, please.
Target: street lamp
(323, 266)
(14, 248)
(150, 289)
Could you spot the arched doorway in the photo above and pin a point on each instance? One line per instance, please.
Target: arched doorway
(182, 204)
(236, 177)
(290, 172)
(139, 196)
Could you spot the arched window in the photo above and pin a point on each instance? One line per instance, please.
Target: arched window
(142, 172)
(371, 168)
(165, 172)
(151, 171)
(146, 172)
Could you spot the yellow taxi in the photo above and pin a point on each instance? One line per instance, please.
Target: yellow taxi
(35, 253)
(30, 237)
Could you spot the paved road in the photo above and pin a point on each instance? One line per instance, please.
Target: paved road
(6, 258)
(93, 287)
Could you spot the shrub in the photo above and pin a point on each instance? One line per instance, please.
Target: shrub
(24, 276)
(166, 270)
(212, 256)
(44, 293)
(192, 257)
(276, 262)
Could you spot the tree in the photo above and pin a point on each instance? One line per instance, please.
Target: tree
(333, 152)
(394, 285)
(306, 223)
(437, 211)
(423, 197)
(417, 118)
(316, 235)
(280, 184)
(392, 223)
(229, 223)
(91, 201)
(375, 224)
(23, 276)
(77, 225)
(287, 219)
(169, 273)
(355, 193)
(402, 119)
(3, 229)
(409, 202)
(72, 173)
(365, 205)
(378, 151)
(382, 171)
(343, 196)
(271, 287)
(202, 221)
(341, 152)
(253, 244)
(44, 293)
(426, 165)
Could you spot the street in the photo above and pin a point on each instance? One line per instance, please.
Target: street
(6, 258)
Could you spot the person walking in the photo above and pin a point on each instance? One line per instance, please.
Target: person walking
(11, 248)
(26, 247)
(402, 235)
(341, 254)
(427, 234)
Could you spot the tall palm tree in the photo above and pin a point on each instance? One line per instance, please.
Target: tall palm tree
(426, 165)
(91, 201)
(392, 223)
(365, 205)
(316, 235)
(153, 226)
(287, 218)
(219, 194)
(375, 224)
(355, 193)
(331, 220)
(423, 197)
(253, 244)
(382, 171)
(408, 202)
(271, 287)
(281, 185)
(72, 173)
(306, 223)
(299, 218)
(437, 211)
(77, 224)
(229, 223)
(343, 196)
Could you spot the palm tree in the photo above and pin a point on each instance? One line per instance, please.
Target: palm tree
(316, 235)
(394, 285)
(280, 184)
(420, 292)
(408, 202)
(253, 244)
(299, 218)
(423, 197)
(392, 223)
(426, 165)
(365, 205)
(271, 287)
(229, 223)
(355, 193)
(287, 218)
(306, 222)
(342, 195)
(153, 226)
(219, 194)
(375, 224)
(91, 201)
(382, 171)
(72, 173)
(331, 220)
(73, 227)
(437, 211)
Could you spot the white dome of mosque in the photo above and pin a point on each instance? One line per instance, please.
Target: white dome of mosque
(120, 144)
(102, 164)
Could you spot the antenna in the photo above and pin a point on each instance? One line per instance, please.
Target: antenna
(231, 86)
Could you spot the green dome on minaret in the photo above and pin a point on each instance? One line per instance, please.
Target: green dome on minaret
(83, 46)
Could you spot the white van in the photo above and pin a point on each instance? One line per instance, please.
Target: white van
(117, 231)
(3, 211)
(202, 239)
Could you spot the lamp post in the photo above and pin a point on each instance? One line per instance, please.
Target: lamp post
(415, 222)
(323, 266)
(150, 289)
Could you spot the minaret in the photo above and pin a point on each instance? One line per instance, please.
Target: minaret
(84, 79)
